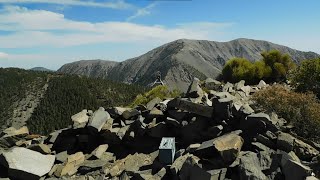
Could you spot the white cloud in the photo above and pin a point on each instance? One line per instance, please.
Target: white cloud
(142, 11)
(34, 28)
(3, 55)
(119, 4)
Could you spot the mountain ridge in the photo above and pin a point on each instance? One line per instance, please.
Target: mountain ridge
(181, 60)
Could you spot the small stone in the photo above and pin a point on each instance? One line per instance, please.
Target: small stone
(98, 152)
(41, 148)
(15, 132)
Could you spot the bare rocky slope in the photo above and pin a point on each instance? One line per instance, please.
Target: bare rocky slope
(179, 61)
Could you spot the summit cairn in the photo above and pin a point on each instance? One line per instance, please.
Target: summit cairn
(211, 133)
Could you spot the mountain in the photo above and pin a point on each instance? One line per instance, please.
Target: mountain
(179, 61)
(91, 68)
(41, 69)
(45, 101)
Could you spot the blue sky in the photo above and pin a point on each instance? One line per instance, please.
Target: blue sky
(50, 33)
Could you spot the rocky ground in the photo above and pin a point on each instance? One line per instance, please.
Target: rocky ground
(217, 135)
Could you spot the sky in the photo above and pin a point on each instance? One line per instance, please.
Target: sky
(50, 33)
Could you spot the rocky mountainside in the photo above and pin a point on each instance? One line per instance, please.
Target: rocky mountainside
(179, 61)
(91, 68)
(215, 135)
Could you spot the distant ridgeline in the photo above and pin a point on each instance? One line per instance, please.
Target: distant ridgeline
(64, 96)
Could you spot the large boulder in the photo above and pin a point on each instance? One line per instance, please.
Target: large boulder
(212, 84)
(80, 119)
(11, 131)
(228, 146)
(254, 124)
(98, 119)
(194, 90)
(304, 151)
(285, 142)
(293, 170)
(198, 109)
(249, 167)
(151, 104)
(24, 163)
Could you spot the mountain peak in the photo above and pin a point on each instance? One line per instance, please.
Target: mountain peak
(181, 60)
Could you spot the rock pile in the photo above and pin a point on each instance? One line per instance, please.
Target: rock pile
(217, 135)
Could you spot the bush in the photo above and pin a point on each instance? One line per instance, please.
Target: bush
(300, 109)
(307, 76)
(161, 92)
(280, 64)
(238, 69)
(273, 67)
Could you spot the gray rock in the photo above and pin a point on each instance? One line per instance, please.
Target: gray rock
(80, 119)
(41, 148)
(98, 152)
(303, 150)
(98, 119)
(179, 162)
(293, 170)
(194, 89)
(198, 109)
(228, 146)
(191, 171)
(266, 141)
(285, 142)
(155, 112)
(62, 156)
(27, 164)
(151, 104)
(246, 90)
(249, 167)
(222, 108)
(239, 85)
(158, 130)
(129, 113)
(215, 131)
(218, 174)
(228, 87)
(265, 159)
(246, 109)
(262, 84)
(254, 124)
(212, 84)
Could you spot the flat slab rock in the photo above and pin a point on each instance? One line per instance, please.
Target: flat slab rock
(23, 162)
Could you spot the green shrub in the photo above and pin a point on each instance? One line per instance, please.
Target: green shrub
(238, 69)
(300, 109)
(273, 67)
(280, 64)
(307, 76)
(161, 92)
